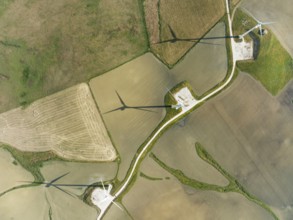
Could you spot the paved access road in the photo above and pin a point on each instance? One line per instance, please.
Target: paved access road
(138, 158)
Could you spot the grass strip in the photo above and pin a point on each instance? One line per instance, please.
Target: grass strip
(18, 187)
(233, 186)
(149, 177)
(32, 161)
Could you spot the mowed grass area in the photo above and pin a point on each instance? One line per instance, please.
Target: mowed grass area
(274, 65)
(50, 46)
(67, 123)
(188, 19)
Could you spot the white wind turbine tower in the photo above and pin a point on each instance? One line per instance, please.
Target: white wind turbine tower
(106, 195)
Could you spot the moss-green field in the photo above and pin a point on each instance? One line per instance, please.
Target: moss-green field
(273, 66)
(46, 46)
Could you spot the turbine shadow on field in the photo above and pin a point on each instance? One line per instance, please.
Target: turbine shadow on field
(177, 39)
(142, 108)
(58, 186)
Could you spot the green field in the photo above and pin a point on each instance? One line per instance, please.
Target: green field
(31, 161)
(25, 68)
(273, 66)
(45, 48)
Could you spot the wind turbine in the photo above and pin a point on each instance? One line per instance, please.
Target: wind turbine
(142, 108)
(259, 25)
(51, 183)
(175, 38)
(58, 186)
(107, 195)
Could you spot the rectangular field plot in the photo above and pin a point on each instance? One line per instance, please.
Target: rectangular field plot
(141, 82)
(67, 123)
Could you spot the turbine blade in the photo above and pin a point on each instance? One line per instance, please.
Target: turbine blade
(103, 185)
(78, 185)
(268, 22)
(54, 180)
(116, 204)
(57, 187)
(248, 12)
(121, 101)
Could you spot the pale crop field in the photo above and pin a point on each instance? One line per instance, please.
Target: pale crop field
(12, 172)
(141, 82)
(66, 207)
(41, 203)
(27, 203)
(67, 123)
(168, 199)
(116, 213)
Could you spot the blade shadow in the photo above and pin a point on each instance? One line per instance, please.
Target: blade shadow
(54, 180)
(62, 190)
(177, 39)
(141, 108)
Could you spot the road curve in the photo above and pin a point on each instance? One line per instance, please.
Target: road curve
(154, 136)
(134, 167)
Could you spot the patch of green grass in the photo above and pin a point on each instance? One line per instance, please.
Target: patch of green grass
(4, 5)
(26, 68)
(149, 177)
(85, 39)
(274, 65)
(233, 186)
(31, 161)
